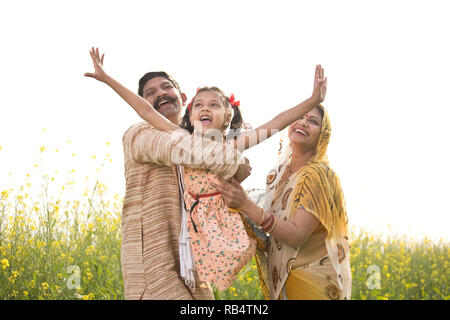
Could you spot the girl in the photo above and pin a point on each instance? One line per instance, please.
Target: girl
(220, 244)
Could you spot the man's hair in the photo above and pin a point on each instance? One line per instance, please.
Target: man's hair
(150, 75)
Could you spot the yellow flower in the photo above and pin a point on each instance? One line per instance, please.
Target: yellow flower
(5, 194)
(42, 148)
(13, 276)
(89, 275)
(45, 285)
(25, 293)
(89, 296)
(4, 263)
(89, 250)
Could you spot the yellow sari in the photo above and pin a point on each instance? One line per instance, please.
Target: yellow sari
(321, 268)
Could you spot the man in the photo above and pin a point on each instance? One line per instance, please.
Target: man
(153, 208)
(151, 219)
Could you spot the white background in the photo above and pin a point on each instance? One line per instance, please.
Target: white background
(386, 61)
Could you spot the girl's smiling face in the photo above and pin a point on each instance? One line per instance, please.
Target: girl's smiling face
(209, 112)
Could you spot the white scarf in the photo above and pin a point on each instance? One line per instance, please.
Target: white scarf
(187, 265)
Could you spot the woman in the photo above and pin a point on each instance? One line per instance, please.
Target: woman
(307, 253)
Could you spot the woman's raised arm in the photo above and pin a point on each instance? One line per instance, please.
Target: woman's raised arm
(251, 138)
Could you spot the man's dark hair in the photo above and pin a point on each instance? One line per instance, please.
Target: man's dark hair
(150, 75)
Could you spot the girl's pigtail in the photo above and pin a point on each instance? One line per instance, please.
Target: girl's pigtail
(236, 122)
(186, 122)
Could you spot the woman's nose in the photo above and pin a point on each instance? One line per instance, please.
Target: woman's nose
(303, 122)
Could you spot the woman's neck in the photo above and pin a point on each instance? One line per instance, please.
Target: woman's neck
(299, 158)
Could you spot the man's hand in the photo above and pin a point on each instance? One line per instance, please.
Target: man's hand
(99, 73)
(320, 84)
(243, 171)
(232, 192)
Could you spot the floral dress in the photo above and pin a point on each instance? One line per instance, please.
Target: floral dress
(220, 244)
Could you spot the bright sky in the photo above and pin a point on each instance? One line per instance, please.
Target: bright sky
(387, 64)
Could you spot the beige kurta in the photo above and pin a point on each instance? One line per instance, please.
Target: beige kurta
(151, 217)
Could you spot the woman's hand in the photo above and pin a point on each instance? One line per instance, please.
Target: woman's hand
(232, 192)
(99, 73)
(320, 84)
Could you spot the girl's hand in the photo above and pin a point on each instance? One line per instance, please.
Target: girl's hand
(99, 73)
(232, 192)
(320, 85)
(243, 171)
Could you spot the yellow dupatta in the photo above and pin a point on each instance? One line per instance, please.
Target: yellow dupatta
(316, 189)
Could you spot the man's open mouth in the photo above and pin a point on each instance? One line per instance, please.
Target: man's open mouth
(161, 102)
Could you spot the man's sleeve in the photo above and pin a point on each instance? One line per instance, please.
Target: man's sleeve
(145, 144)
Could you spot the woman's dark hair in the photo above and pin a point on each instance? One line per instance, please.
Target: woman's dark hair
(236, 122)
(150, 75)
(320, 108)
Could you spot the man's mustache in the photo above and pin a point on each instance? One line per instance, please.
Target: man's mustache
(166, 97)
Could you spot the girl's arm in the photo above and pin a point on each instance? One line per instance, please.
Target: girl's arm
(251, 138)
(143, 108)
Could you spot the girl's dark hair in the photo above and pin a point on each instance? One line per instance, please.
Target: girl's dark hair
(236, 123)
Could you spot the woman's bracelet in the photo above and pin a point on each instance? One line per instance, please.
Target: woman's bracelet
(262, 217)
(273, 226)
(266, 221)
(234, 210)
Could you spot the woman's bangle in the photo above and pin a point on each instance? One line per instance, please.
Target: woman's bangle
(273, 226)
(234, 210)
(266, 221)
(262, 217)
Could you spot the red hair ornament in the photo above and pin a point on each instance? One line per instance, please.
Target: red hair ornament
(231, 99)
